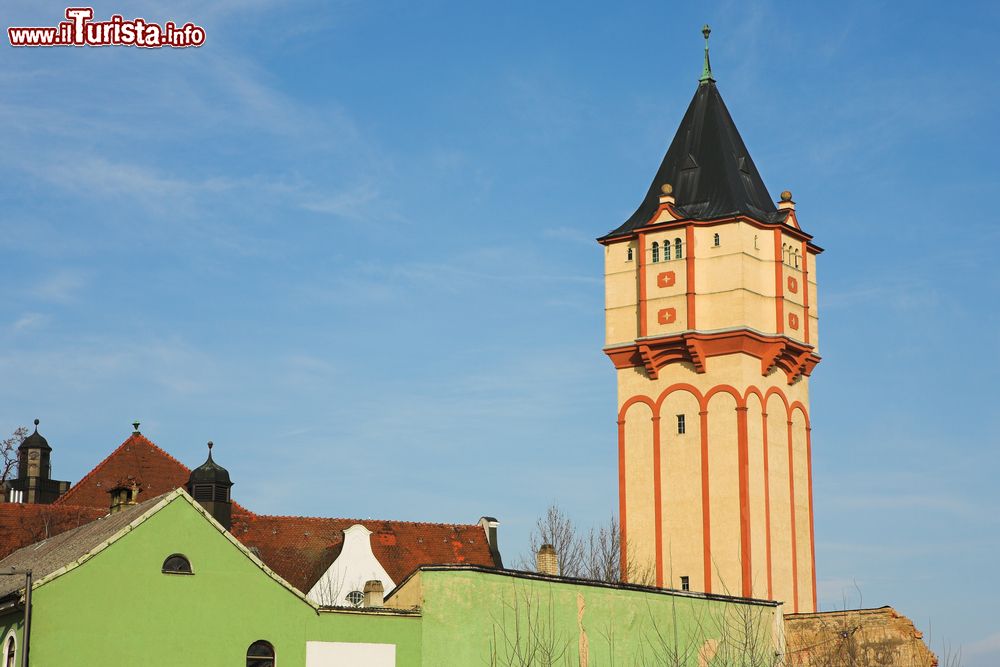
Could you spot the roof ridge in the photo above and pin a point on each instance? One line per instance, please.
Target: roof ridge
(362, 521)
(134, 436)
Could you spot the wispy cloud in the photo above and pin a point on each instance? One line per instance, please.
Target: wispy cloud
(63, 286)
(29, 321)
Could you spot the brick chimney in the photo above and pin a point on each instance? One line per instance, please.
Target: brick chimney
(547, 562)
(124, 494)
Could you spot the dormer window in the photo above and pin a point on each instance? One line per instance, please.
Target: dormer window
(678, 249)
(656, 252)
(177, 564)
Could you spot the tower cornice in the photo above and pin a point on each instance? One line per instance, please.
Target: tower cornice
(695, 348)
(680, 222)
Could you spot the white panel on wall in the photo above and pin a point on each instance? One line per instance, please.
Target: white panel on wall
(344, 654)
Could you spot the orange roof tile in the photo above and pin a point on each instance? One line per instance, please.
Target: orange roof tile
(301, 549)
(23, 524)
(138, 458)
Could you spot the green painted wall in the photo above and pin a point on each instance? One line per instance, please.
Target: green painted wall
(8, 621)
(478, 618)
(119, 608)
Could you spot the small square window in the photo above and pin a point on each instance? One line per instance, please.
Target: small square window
(685, 584)
(680, 424)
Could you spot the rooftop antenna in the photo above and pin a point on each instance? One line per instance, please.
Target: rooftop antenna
(706, 72)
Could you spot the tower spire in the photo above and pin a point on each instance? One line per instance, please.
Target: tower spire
(706, 72)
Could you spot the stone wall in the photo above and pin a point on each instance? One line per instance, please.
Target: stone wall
(860, 637)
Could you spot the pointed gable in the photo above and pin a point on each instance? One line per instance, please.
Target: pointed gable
(155, 472)
(709, 167)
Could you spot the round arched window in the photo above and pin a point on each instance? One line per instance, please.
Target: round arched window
(9, 652)
(260, 654)
(177, 564)
(355, 598)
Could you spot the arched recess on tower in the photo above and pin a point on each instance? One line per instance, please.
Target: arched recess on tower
(758, 491)
(803, 509)
(779, 487)
(681, 473)
(636, 488)
(724, 494)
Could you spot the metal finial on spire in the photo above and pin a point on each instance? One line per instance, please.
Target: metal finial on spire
(210, 445)
(135, 426)
(36, 424)
(706, 72)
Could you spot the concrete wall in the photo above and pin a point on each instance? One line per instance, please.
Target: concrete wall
(493, 618)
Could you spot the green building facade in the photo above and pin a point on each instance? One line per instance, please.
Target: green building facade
(115, 591)
(115, 605)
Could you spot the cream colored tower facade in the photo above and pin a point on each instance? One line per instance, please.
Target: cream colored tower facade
(711, 324)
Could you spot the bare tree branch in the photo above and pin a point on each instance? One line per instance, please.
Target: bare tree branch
(8, 454)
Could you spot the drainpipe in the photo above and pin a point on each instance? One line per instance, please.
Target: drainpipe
(27, 611)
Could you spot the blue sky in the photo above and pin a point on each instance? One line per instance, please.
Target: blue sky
(352, 243)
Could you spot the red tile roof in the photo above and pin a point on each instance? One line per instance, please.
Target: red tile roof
(155, 472)
(153, 469)
(301, 549)
(23, 524)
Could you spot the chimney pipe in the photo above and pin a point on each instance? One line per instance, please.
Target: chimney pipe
(374, 592)
(547, 561)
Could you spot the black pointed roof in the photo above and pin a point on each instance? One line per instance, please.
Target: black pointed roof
(209, 472)
(35, 441)
(709, 167)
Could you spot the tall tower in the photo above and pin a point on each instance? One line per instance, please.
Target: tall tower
(710, 300)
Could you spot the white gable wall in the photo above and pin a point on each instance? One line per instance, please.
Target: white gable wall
(355, 565)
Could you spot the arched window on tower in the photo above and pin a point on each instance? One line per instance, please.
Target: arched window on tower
(656, 252)
(260, 654)
(784, 253)
(716, 240)
(678, 249)
(628, 257)
(797, 258)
